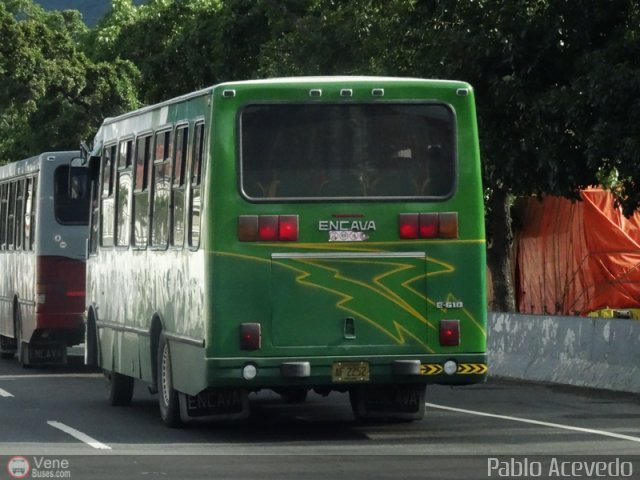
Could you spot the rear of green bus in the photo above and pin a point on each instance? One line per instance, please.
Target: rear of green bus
(346, 240)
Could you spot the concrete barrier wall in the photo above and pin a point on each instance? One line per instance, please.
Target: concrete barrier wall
(581, 351)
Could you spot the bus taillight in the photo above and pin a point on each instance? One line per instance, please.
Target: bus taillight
(250, 336)
(268, 228)
(409, 225)
(449, 333)
(75, 293)
(428, 225)
(288, 228)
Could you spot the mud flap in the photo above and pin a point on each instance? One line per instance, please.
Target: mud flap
(400, 402)
(214, 404)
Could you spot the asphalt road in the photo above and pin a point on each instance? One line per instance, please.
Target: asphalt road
(494, 430)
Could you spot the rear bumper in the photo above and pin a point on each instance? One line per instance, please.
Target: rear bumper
(313, 372)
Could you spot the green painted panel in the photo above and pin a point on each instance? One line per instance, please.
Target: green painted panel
(349, 299)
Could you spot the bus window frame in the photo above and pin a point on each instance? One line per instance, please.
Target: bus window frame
(195, 183)
(27, 223)
(19, 215)
(111, 192)
(4, 207)
(181, 186)
(11, 205)
(118, 171)
(165, 162)
(365, 198)
(145, 189)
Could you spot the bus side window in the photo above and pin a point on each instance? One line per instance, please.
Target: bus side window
(178, 185)
(123, 203)
(28, 219)
(11, 214)
(19, 214)
(141, 192)
(161, 190)
(195, 198)
(33, 214)
(3, 216)
(107, 215)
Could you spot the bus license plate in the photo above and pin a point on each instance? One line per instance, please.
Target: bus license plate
(350, 372)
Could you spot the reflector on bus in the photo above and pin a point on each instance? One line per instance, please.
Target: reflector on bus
(449, 333)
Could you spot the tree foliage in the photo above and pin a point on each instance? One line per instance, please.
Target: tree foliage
(51, 96)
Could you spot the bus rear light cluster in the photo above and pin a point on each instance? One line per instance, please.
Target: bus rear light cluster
(449, 333)
(250, 336)
(268, 228)
(428, 225)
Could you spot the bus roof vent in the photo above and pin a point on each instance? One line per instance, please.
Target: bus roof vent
(315, 92)
(377, 92)
(228, 93)
(462, 92)
(346, 92)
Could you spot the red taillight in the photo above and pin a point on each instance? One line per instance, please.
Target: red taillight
(409, 225)
(428, 225)
(250, 336)
(449, 333)
(268, 228)
(75, 293)
(288, 228)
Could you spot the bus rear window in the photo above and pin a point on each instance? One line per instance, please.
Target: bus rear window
(71, 195)
(330, 151)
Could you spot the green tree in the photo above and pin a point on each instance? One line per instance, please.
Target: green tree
(537, 125)
(51, 96)
(182, 46)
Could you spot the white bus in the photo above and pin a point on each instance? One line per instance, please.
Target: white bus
(44, 210)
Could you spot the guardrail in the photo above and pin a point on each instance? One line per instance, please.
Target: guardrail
(581, 351)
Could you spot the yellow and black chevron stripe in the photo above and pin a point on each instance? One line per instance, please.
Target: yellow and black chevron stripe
(472, 369)
(430, 369)
(463, 369)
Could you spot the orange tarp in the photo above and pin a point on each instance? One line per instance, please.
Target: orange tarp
(574, 258)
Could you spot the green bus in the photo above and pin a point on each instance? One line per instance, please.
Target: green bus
(292, 234)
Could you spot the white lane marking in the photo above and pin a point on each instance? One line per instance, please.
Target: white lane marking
(4, 393)
(79, 435)
(604, 433)
(51, 375)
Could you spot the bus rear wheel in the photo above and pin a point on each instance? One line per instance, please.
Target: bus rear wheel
(120, 388)
(168, 399)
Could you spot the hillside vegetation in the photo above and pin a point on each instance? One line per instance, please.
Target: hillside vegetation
(91, 11)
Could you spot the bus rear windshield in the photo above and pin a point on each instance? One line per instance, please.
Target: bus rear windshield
(71, 195)
(325, 151)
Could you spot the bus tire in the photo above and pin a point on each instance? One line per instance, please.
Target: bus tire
(91, 341)
(168, 399)
(120, 388)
